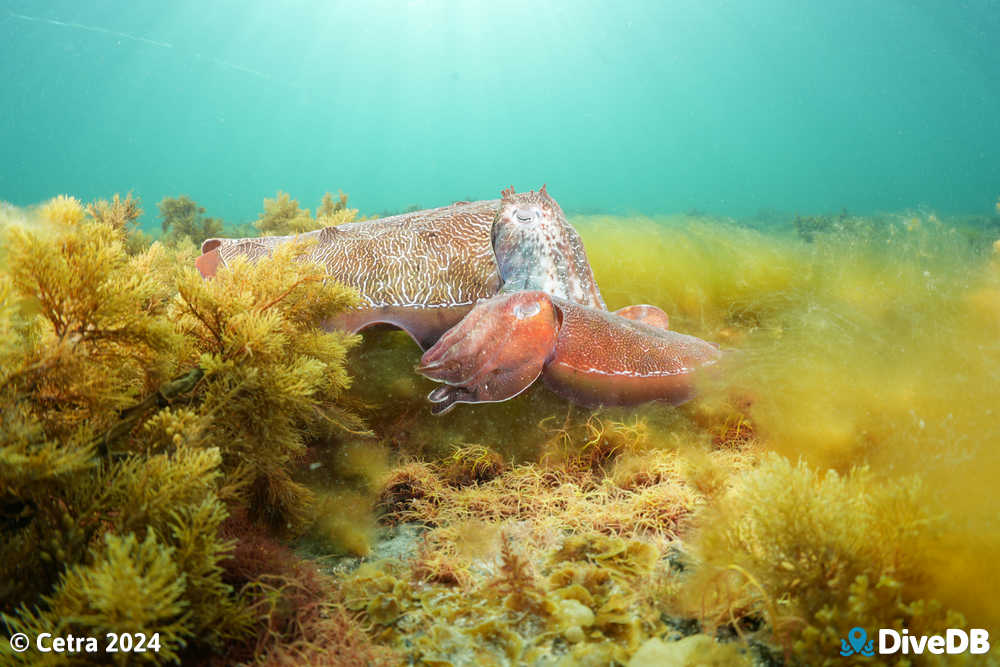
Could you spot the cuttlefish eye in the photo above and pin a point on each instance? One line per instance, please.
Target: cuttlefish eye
(523, 311)
(527, 214)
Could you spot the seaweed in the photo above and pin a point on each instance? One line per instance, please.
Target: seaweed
(810, 226)
(141, 406)
(205, 438)
(694, 651)
(594, 599)
(473, 464)
(271, 377)
(182, 217)
(567, 559)
(872, 346)
(282, 215)
(123, 215)
(819, 554)
(130, 586)
(92, 333)
(301, 624)
(335, 212)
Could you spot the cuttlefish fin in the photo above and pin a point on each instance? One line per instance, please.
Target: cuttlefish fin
(497, 351)
(215, 252)
(646, 314)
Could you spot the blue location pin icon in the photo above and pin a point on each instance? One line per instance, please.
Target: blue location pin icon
(857, 637)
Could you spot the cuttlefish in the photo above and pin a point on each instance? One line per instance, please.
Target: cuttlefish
(497, 293)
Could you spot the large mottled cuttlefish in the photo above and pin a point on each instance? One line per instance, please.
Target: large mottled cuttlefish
(496, 293)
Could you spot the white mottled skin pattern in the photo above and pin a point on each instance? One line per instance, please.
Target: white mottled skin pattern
(435, 258)
(449, 256)
(423, 271)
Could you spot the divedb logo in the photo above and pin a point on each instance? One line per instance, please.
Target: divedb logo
(954, 640)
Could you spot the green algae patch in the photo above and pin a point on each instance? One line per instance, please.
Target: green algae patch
(714, 279)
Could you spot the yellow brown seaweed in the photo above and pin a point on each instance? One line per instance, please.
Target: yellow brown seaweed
(547, 533)
(219, 386)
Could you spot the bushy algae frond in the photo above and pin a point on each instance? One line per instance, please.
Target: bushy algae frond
(118, 212)
(818, 554)
(334, 211)
(61, 210)
(92, 332)
(282, 215)
(145, 412)
(131, 586)
(271, 376)
(873, 344)
(715, 279)
(123, 215)
(183, 218)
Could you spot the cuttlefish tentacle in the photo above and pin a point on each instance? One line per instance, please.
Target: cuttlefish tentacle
(589, 356)
(495, 353)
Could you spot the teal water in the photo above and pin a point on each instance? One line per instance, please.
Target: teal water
(728, 107)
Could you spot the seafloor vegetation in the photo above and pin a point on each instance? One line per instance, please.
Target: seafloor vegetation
(196, 458)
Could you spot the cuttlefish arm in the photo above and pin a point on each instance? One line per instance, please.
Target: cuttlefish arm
(497, 351)
(586, 355)
(603, 358)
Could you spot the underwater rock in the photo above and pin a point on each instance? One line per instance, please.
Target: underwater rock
(700, 650)
(498, 293)
(574, 614)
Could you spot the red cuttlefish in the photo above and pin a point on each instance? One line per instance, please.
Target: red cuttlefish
(496, 293)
